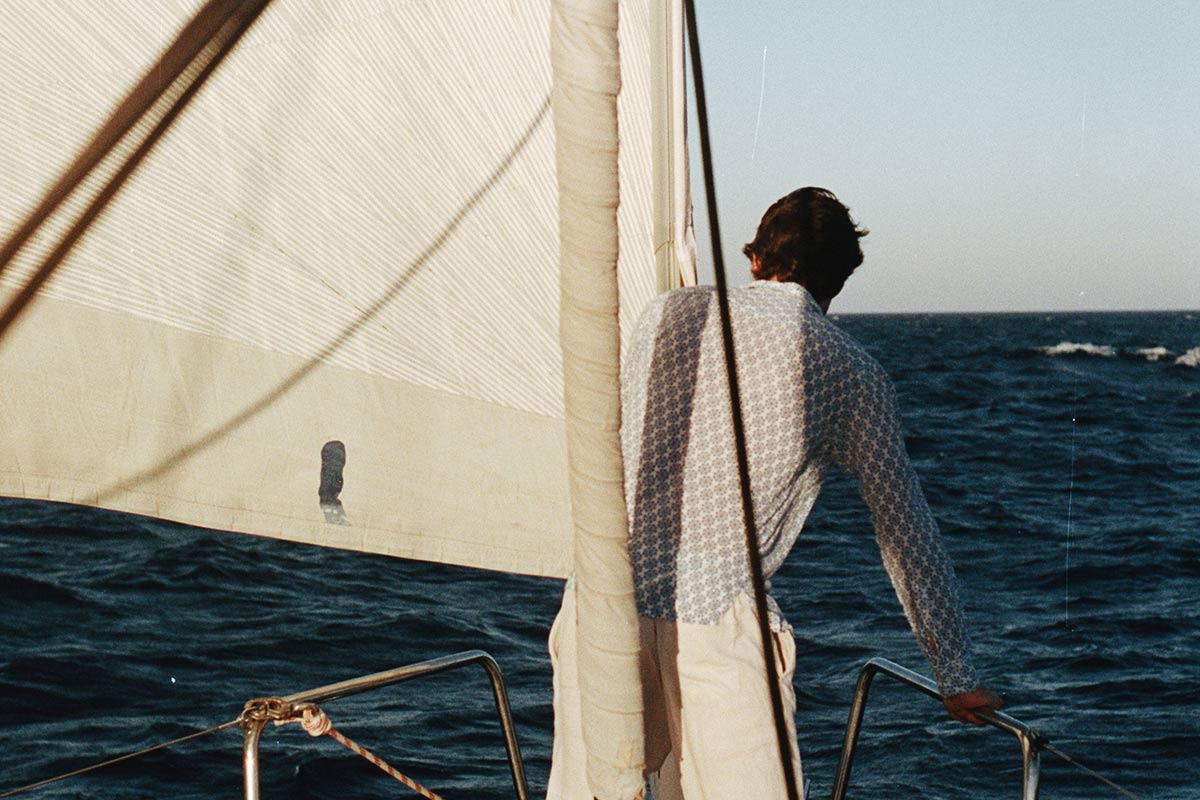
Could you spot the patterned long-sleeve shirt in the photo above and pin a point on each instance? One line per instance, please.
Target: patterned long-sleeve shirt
(811, 398)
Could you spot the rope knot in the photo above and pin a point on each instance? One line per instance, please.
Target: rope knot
(314, 720)
(281, 712)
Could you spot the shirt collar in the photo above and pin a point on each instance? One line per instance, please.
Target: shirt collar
(790, 288)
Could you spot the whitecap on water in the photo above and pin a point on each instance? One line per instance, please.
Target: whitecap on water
(1071, 348)
(1153, 353)
(1189, 359)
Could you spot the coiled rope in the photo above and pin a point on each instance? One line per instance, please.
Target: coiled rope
(317, 724)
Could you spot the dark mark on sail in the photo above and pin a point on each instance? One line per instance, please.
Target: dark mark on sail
(333, 460)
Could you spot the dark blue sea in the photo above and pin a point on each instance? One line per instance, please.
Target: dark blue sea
(1060, 453)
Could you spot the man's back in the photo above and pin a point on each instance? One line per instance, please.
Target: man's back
(811, 398)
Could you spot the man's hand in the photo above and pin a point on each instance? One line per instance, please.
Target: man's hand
(962, 707)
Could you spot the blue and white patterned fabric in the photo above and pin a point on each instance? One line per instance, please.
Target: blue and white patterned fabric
(811, 398)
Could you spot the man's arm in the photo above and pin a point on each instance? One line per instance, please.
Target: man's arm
(871, 446)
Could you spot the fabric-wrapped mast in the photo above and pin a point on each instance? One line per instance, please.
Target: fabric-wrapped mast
(587, 79)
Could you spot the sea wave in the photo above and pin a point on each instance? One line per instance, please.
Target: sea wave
(1157, 353)
(1153, 353)
(1189, 359)
(1073, 348)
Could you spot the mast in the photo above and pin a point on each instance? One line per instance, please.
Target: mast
(600, 68)
(587, 79)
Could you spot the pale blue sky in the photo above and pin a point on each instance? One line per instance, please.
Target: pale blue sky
(1006, 156)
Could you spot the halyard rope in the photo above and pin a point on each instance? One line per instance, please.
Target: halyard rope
(784, 738)
(316, 723)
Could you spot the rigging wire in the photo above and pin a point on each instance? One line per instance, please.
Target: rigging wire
(1088, 771)
(739, 434)
(119, 759)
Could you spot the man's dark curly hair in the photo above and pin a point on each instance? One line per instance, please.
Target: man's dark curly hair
(807, 237)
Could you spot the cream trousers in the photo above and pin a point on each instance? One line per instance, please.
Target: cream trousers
(710, 733)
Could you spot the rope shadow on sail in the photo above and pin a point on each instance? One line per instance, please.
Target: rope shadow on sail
(138, 124)
(223, 22)
(270, 397)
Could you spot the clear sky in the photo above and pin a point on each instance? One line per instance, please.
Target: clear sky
(1004, 155)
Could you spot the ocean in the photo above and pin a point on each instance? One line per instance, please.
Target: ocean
(1060, 454)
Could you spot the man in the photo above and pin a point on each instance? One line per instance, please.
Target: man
(811, 399)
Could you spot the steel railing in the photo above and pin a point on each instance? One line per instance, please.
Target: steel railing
(254, 728)
(1029, 738)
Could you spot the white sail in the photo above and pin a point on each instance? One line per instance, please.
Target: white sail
(350, 235)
